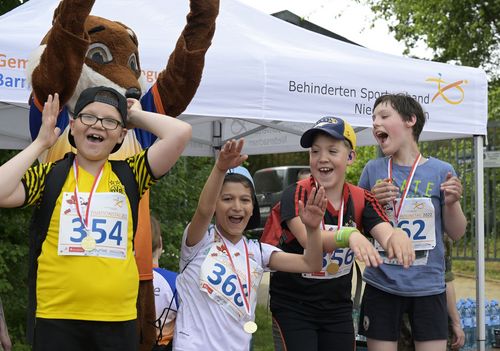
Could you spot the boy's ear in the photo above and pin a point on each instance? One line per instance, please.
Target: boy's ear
(411, 122)
(351, 157)
(123, 134)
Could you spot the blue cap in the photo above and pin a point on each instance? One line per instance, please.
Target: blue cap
(335, 127)
(254, 221)
(243, 171)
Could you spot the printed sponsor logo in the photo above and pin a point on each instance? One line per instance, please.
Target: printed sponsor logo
(453, 93)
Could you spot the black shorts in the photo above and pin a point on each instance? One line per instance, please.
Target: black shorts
(381, 315)
(77, 335)
(294, 332)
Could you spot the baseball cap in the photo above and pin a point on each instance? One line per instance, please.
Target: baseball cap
(254, 221)
(106, 95)
(335, 127)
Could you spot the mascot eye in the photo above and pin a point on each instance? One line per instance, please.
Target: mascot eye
(132, 63)
(99, 53)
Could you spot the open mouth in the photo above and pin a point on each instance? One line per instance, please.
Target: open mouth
(381, 137)
(94, 138)
(325, 171)
(235, 219)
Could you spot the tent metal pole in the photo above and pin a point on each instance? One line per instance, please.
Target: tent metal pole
(216, 137)
(480, 275)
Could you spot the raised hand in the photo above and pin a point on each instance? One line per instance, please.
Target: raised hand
(385, 191)
(230, 156)
(133, 105)
(452, 189)
(49, 133)
(312, 213)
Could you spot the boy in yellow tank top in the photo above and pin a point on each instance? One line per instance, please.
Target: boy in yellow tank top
(87, 279)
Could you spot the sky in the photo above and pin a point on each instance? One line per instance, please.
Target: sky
(344, 17)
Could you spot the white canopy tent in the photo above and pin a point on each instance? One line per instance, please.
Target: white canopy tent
(264, 79)
(260, 70)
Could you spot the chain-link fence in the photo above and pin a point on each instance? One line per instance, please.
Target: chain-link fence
(460, 153)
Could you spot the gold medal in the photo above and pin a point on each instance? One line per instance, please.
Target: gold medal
(88, 243)
(250, 327)
(332, 268)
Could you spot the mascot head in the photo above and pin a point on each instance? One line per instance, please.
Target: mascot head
(112, 59)
(113, 55)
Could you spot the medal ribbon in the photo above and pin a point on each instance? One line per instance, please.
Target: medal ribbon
(97, 179)
(397, 211)
(249, 281)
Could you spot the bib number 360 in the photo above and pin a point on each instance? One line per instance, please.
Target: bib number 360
(229, 285)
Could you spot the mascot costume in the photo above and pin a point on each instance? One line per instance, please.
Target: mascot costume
(82, 51)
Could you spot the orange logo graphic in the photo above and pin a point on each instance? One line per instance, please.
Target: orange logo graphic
(442, 89)
(418, 205)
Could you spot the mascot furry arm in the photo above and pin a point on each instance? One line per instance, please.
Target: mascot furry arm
(83, 50)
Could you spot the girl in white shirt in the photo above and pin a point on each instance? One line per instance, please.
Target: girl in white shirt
(221, 269)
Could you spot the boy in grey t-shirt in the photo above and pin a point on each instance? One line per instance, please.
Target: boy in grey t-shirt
(422, 197)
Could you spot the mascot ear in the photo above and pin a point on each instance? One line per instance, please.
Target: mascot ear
(56, 13)
(132, 34)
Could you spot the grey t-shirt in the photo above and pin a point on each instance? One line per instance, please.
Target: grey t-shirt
(418, 280)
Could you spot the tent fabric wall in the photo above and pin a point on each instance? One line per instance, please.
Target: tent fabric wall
(263, 71)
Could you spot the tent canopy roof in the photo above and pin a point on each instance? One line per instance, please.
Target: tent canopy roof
(260, 72)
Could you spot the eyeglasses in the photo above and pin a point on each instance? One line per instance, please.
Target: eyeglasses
(106, 123)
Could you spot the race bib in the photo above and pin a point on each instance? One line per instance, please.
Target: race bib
(335, 264)
(420, 258)
(417, 220)
(220, 282)
(107, 226)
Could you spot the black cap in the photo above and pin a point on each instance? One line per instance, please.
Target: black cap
(105, 95)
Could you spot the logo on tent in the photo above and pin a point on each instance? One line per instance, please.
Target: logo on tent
(453, 97)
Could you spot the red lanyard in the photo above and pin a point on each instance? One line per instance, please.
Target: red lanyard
(340, 217)
(397, 211)
(249, 281)
(97, 179)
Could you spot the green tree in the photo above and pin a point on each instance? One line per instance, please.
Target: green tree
(14, 264)
(462, 31)
(7, 5)
(173, 201)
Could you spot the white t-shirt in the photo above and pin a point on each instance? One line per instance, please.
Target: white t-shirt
(202, 323)
(165, 303)
(164, 282)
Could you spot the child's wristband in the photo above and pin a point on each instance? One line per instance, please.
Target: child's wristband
(342, 236)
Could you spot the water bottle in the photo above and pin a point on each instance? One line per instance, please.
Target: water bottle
(469, 325)
(495, 319)
(466, 323)
(487, 324)
(474, 333)
(460, 308)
